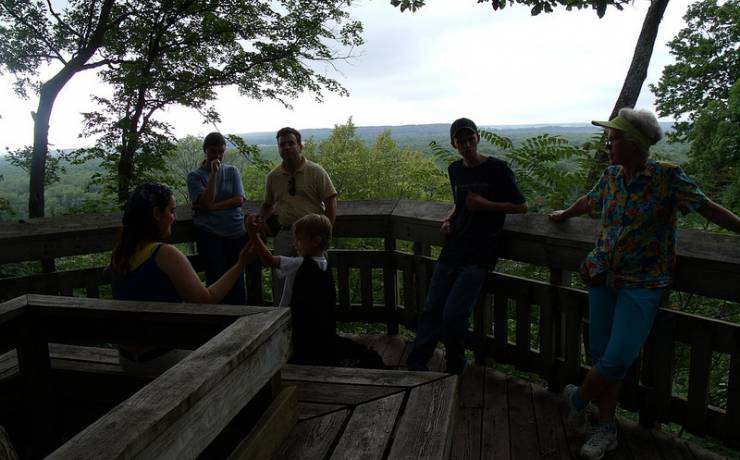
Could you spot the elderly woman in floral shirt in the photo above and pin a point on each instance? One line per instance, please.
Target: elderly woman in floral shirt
(632, 262)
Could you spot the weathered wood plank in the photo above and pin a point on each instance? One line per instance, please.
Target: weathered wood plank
(547, 328)
(471, 387)
(522, 421)
(77, 353)
(550, 430)
(523, 331)
(79, 320)
(271, 429)
(343, 284)
(426, 426)
(658, 400)
(500, 326)
(8, 365)
(732, 418)
(366, 287)
(572, 336)
(700, 365)
(313, 438)
(178, 414)
(671, 447)
(390, 282)
(466, 440)
(495, 431)
(640, 442)
(369, 429)
(482, 326)
(340, 393)
(35, 368)
(345, 375)
(307, 410)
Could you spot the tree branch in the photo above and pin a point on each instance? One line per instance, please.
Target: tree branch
(60, 21)
(41, 35)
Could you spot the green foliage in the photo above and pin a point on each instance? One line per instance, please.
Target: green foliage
(707, 63)
(550, 171)
(380, 171)
(22, 158)
(537, 6)
(714, 157)
(702, 92)
(158, 53)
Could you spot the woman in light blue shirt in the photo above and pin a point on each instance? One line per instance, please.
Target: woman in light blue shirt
(217, 195)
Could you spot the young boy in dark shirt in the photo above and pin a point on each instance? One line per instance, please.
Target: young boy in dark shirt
(308, 290)
(484, 191)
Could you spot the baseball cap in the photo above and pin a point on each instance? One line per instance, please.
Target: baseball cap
(462, 123)
(621, 124)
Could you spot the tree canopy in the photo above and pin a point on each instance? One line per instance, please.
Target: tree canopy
(156, 53)
(707, 63)
(536, 6)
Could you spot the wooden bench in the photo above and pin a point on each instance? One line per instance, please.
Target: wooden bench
(45, 373)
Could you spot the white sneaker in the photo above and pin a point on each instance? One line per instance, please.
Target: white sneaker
(577, 419)
(602, 440)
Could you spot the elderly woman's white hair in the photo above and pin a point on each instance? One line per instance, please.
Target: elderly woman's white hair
(644, 121)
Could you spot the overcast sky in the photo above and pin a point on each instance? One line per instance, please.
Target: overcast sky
(453, 58)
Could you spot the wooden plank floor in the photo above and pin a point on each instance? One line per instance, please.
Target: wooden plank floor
(501, 417)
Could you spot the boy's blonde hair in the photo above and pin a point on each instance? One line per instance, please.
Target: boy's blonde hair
(314, 226)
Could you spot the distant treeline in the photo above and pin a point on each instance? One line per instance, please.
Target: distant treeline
(72, 192)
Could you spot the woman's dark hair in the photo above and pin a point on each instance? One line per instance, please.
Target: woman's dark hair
(139, 224)
(213, 139)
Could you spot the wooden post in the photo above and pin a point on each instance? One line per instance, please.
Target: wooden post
(35, 366)
(658, 369)
(390, 285)
(558, 277)
(482, 325)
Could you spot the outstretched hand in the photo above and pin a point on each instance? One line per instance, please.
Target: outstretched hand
(557, 216)
(252, 224)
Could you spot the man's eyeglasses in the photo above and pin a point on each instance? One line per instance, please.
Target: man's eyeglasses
(609, 144)
(291, 186)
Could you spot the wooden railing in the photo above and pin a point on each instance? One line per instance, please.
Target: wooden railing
(537, 326)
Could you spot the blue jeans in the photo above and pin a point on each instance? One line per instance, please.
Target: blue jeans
(219, 254)
(620, 321)
(452, 296)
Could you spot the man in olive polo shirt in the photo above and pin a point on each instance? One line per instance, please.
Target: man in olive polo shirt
(295, 188)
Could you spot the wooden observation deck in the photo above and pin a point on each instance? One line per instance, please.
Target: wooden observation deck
(63, 394)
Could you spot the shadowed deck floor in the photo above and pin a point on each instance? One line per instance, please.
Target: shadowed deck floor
(500, 417)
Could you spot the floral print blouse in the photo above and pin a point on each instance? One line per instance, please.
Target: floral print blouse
(637, 243)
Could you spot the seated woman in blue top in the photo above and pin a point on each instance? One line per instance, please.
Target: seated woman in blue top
(217, 194)
(145, 268)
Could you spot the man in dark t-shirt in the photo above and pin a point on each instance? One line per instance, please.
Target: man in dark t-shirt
(484, 191)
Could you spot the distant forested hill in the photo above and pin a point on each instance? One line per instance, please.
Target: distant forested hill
(418, 137)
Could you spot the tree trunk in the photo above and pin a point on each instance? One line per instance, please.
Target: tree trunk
(125, 173)
(641, 58)
(640, 62)
(47, 95)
